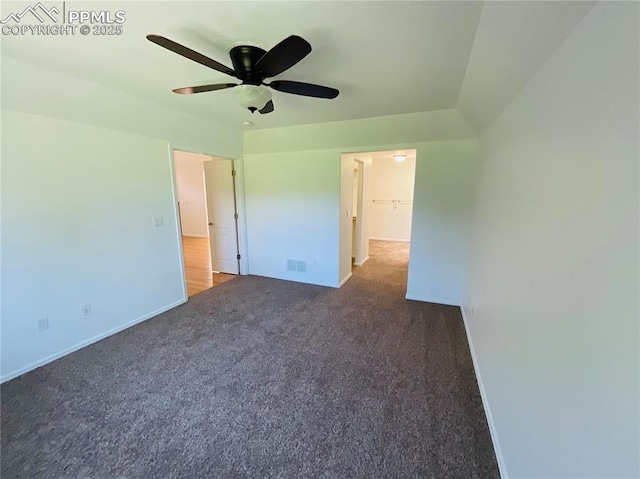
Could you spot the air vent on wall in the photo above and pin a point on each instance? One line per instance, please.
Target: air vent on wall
(297, 265)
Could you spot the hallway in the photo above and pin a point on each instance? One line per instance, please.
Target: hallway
(389, 257)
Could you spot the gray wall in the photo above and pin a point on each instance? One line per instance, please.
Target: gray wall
(552, 284)
(293, 191)
(83, 177)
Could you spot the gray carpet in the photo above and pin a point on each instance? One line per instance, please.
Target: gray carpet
(262, 378)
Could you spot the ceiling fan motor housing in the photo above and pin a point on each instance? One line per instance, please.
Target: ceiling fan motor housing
(244, 59)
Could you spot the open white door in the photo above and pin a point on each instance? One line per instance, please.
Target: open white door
(221, 212)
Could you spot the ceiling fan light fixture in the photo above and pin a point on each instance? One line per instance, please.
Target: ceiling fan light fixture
(252, 97)
(399, 158)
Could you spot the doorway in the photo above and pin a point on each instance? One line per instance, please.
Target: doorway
(376, 208)
(207, 209)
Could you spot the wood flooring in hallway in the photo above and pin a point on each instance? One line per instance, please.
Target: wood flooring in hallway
(197, 266)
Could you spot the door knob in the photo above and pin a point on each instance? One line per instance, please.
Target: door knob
(210, 224)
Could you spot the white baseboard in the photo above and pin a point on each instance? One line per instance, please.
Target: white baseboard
(345, 280)
(87, 342)
(360, 263)
(446, 302)
(390, 239)
(485, 402)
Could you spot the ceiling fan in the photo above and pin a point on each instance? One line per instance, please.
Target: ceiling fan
(251, 65)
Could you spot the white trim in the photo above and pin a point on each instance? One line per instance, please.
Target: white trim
(176, 214)
(242, 216)
(446, 302)
(360, 263)
(87, 342)
(485, 403)
(345, 280)
(390, 239)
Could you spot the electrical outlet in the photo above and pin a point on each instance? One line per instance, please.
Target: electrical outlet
(158, 221)
(86, 309)
(42, 324)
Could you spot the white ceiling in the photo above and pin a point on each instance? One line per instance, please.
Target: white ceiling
(385, 57)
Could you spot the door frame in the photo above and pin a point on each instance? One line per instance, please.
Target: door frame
(240, 209)
(363, 152)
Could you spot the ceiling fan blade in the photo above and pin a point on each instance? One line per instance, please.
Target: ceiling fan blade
(202, 88)
(190, 54)
(283, 56)
(268, 108)
(304, 89)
